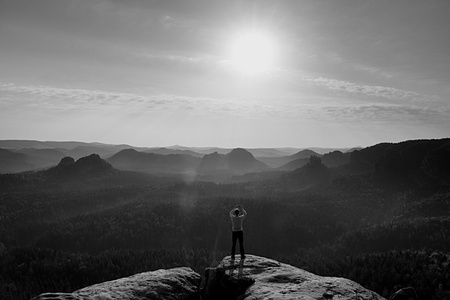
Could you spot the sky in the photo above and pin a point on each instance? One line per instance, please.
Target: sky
(319, 73)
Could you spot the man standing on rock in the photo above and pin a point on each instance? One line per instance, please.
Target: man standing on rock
(237, 215)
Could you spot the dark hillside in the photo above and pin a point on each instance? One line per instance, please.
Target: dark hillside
(166, 151)
(88, 167)
(238, 161)
(43, 158)
(12, 162)
(312, 173)
(133, 160)
(295, 164)
(241, 160)
(335, 159)
(304, 154)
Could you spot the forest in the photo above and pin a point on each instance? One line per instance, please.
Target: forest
(383, 220)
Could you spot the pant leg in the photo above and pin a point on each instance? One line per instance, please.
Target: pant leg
(234, 237)
(241, 243)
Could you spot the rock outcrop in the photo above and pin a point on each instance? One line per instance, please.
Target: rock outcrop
(258, 278)
(171, 284)
(254, 278)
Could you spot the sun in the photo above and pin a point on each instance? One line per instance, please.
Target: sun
(252, 52)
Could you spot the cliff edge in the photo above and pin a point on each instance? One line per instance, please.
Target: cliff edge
(171, 284)
(259, 278)
(254, 278)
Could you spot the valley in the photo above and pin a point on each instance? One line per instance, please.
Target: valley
(378, 215)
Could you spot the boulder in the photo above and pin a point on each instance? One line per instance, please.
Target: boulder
(172, 284)
(259, 278)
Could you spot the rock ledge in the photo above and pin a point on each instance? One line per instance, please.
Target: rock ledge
(254, 278)
(259, 278)
(171, 284)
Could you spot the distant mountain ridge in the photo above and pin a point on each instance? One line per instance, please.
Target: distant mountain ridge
(12, 162)
(238, 160)
(42, 158)
(167, 151)
(84, 168)
(130, 159)
(406, 157)
(38, 155)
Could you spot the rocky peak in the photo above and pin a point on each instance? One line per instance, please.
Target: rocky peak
(254, 278)
(86, 167)
(259, 278)
(92, 162)
(171, 284)
(213, 161)
(240, 153)
(241, 159)
(66, 161)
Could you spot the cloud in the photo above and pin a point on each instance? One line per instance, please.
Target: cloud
(379, 113)
(357, 66)
(368, 90)
(175, 58)
(43, 112)
(62, 99)
(50, 98)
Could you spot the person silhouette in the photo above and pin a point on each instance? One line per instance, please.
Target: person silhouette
(237, 215)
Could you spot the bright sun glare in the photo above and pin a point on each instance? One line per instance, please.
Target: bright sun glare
(252, 53)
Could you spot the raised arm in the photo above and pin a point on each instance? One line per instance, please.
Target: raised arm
(244, 213)
(232, 211)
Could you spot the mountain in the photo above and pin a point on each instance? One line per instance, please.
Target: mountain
(237, 161)
(242, 160)
(304, 154)
(85, 150)
(12, 162)
(408, 158)
(287, 162)
(296, 160)
(17, 144)
(167, 151)
(42, 158)
(202, 150)
(213, 162)
(71, 148)
(257, 152)
(295, 164)
(313, 172)
(270, 152)
(133, 160)
(331, 160)
(335, 159)
(87, 167)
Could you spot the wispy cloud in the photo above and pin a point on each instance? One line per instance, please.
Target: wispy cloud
(377, 91)
(47, 97)
(358, 66)
(50, 112)
(379, 113)
(175, 58)
(52, 98)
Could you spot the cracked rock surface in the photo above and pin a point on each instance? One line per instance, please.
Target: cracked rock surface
(170, 284)
(269, 279)
(253, 278)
